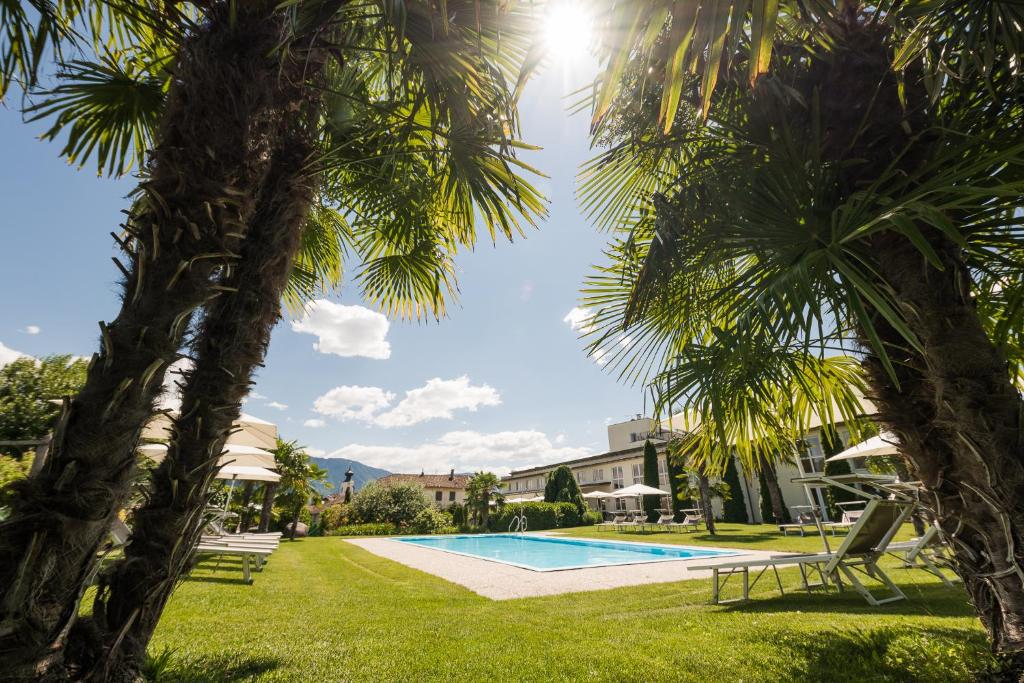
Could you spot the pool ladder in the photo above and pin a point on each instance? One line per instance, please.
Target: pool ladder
(518, 523)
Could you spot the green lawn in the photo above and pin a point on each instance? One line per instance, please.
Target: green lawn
(325, 610)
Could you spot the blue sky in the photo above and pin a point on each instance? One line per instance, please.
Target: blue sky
(501, 383)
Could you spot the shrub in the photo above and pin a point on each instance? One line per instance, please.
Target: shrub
(431, 521)
(458, 513)
(364, 530)
(539, 516)
(336, 515)
(566, 515)
(734, 509)
(397, 504)
(591, 517)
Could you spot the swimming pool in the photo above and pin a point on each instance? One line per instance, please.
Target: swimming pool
(545, 553)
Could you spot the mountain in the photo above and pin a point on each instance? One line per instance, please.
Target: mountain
(336, 468)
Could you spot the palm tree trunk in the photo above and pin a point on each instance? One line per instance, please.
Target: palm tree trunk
(771, 480)
(188, 219)
(295, 522)
(705, 500)
(243, 518)
(268, 506)
(231, 343)
(958, 418)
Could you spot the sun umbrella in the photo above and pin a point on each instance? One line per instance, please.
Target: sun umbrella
(639, 490)
(234, 454)
(245, 473)
(883, 444)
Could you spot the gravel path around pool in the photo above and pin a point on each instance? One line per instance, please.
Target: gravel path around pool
(504, 582)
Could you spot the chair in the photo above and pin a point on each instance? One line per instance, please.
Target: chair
(668, 520)
(803, 520)
(613, 523)
(849, 518)
(924, 552)
(691, 520)
(256, 555)
(859, 554)
(635, 519)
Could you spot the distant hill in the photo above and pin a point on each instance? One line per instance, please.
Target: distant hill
(336, 468)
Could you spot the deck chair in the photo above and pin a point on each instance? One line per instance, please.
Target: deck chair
(248, 554)
(636, 521)
(803, 521)
(691, 522)
(668, 521)
(926, 552)
(849, 518)
(613, 523)
(857, 556)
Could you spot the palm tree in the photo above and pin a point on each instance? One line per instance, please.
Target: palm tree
(398, 112)
(847, 224)
(479, 489)
(299, 477)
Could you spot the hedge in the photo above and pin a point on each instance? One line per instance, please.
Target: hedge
(377, 529)
(540, 516)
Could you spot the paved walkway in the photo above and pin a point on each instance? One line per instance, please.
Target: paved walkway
(504, 582)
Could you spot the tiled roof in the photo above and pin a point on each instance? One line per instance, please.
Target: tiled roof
(429, 481)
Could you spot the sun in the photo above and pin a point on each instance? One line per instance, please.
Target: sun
(567, 30)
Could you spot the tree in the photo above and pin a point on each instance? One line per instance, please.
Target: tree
(410, 151)
(267, 509)
(31, 392)
(773, 505)
(679, 484)
(299, 479)
(847, 197)
(734, 509)
(561, 487)
(651, 503)
(395, 503)
(479, 489)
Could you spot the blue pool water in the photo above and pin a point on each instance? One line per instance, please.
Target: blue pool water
(544, 554)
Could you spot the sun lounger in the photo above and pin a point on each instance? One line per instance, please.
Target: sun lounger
(859, 553)
(614, 523)
(691, 521)
(849, 518)
(636, 520)
(254, 555)
(926, 552)
(804, 520)
(668, 521)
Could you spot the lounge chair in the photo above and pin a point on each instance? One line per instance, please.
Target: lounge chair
(803, 521)
(668, 521)
(849, 518)
(926, 552)
(636, 520)
(859, 553)
(613, 523)
(691, 521)
(248, 554)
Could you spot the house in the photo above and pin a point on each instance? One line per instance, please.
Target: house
(623, 465)
(442, 490)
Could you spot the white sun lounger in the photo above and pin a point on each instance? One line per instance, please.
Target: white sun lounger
(924, 552)
(858, 554)
(669, 522)
(250, 554)
(615, 521)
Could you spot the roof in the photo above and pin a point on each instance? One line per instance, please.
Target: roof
(428, 481)
(631, 452)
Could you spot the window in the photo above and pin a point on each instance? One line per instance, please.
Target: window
(617, 480)
(599, 475)
(634, 437)
(812, 458)
(517, 486)
(451, 496)
(663, 473)
(638, 473)
(438, 496)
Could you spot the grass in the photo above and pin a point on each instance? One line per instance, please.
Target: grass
(324, 609)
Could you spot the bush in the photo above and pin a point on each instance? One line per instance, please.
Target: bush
(539, 516)
(431, 521)
(566, 515)
(561, 487)
(458, 513)
(397, 504)
(336, 515)
(591, 517)
(364, 530)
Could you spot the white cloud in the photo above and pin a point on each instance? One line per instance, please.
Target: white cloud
(580, 320)
(560, 439)
(353, 403)
(256, 395)
(278, 405)
(345, 330)
(438, 398)
(31, 329)
(315, 452)
(315, 423)
(8, 355)
(466, 451)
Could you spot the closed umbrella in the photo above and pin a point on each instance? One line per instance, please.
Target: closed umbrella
(234, 454)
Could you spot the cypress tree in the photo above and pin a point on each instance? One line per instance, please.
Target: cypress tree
(561, 487)
(767, 515)
(734, 509)
(650, 479)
